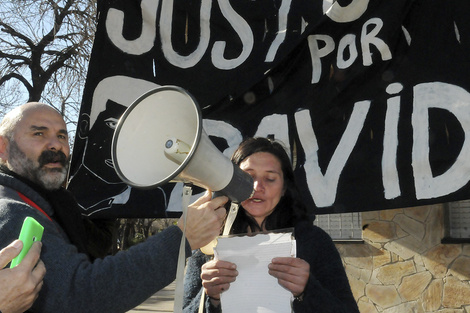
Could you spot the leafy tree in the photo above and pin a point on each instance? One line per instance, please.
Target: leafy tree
(128, 232)
(45, 47)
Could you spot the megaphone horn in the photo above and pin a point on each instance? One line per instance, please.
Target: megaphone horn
(160, 139)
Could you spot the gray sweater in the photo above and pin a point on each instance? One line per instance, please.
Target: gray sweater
(75, 284)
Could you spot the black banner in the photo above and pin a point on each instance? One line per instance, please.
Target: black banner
(371, 97)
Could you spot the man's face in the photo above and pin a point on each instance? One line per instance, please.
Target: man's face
(40, 150)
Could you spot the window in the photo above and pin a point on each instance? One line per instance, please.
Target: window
(458, 221)
(343, 226)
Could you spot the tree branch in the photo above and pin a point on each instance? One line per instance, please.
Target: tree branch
(17, 76)
(12, 32)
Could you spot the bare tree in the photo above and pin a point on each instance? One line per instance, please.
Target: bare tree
(45, 47)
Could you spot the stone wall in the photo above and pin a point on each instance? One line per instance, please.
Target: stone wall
(402, 266)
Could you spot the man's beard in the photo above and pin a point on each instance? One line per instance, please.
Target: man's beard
(48, 178)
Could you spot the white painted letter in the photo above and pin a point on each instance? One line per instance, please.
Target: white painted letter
(226, 131)
(368, 39)
(349, 13)
(275, 124)
(346, 41)
(120, 89)
(282, 30)
(455, 100)
(389, 158)
(165, 33)
(141, 45)
(243, 30)
(323, 187)
(317, 53)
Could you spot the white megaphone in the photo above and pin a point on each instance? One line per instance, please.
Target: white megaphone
(160, 139)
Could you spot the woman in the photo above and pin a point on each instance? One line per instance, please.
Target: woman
(316, 277)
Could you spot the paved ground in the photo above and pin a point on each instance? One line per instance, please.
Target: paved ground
(161, 302)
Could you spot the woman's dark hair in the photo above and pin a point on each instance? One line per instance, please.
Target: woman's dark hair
(290, 209)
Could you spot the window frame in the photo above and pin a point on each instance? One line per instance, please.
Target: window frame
(450, 215)
(334, 223)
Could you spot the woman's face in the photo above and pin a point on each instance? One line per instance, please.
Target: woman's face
(268, 178)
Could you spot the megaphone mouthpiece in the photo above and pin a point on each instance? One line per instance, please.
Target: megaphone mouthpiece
(176, 150)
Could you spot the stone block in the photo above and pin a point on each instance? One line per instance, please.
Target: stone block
(406, 307)
(412, 286)
(388, 215)
(410, 226)
(456, 293)
(383, 296)
(461, 268)
(382, 258)
(393, 273)
(366, 307)
(437, 259)
(419, 213)
(353, 271)
(357, 255)
(357, 287)
(406, 247)
(432, 296)
(419, 263)
(379, 231)
(466, 250)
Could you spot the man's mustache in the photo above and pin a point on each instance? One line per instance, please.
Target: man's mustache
(49, 156)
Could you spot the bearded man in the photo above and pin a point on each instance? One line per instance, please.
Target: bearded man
(34, 160)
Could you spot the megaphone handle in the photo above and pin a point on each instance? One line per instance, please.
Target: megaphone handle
(216, 194)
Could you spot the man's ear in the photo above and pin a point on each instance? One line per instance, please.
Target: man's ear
(4, 148)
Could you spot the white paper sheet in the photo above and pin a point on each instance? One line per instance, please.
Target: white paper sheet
(255, 291)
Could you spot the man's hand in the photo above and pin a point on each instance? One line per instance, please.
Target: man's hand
(20, 285)
(204, 220)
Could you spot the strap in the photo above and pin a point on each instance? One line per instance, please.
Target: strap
(203, 301)
(232, 214)
(34, 205)
(179, 290)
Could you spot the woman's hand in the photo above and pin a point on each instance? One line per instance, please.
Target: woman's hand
(291, 273)
(216, 277)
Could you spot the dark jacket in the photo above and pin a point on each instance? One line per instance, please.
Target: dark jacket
(327, 289)
(73, 283)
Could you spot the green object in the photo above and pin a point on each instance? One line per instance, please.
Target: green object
(31, 231)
